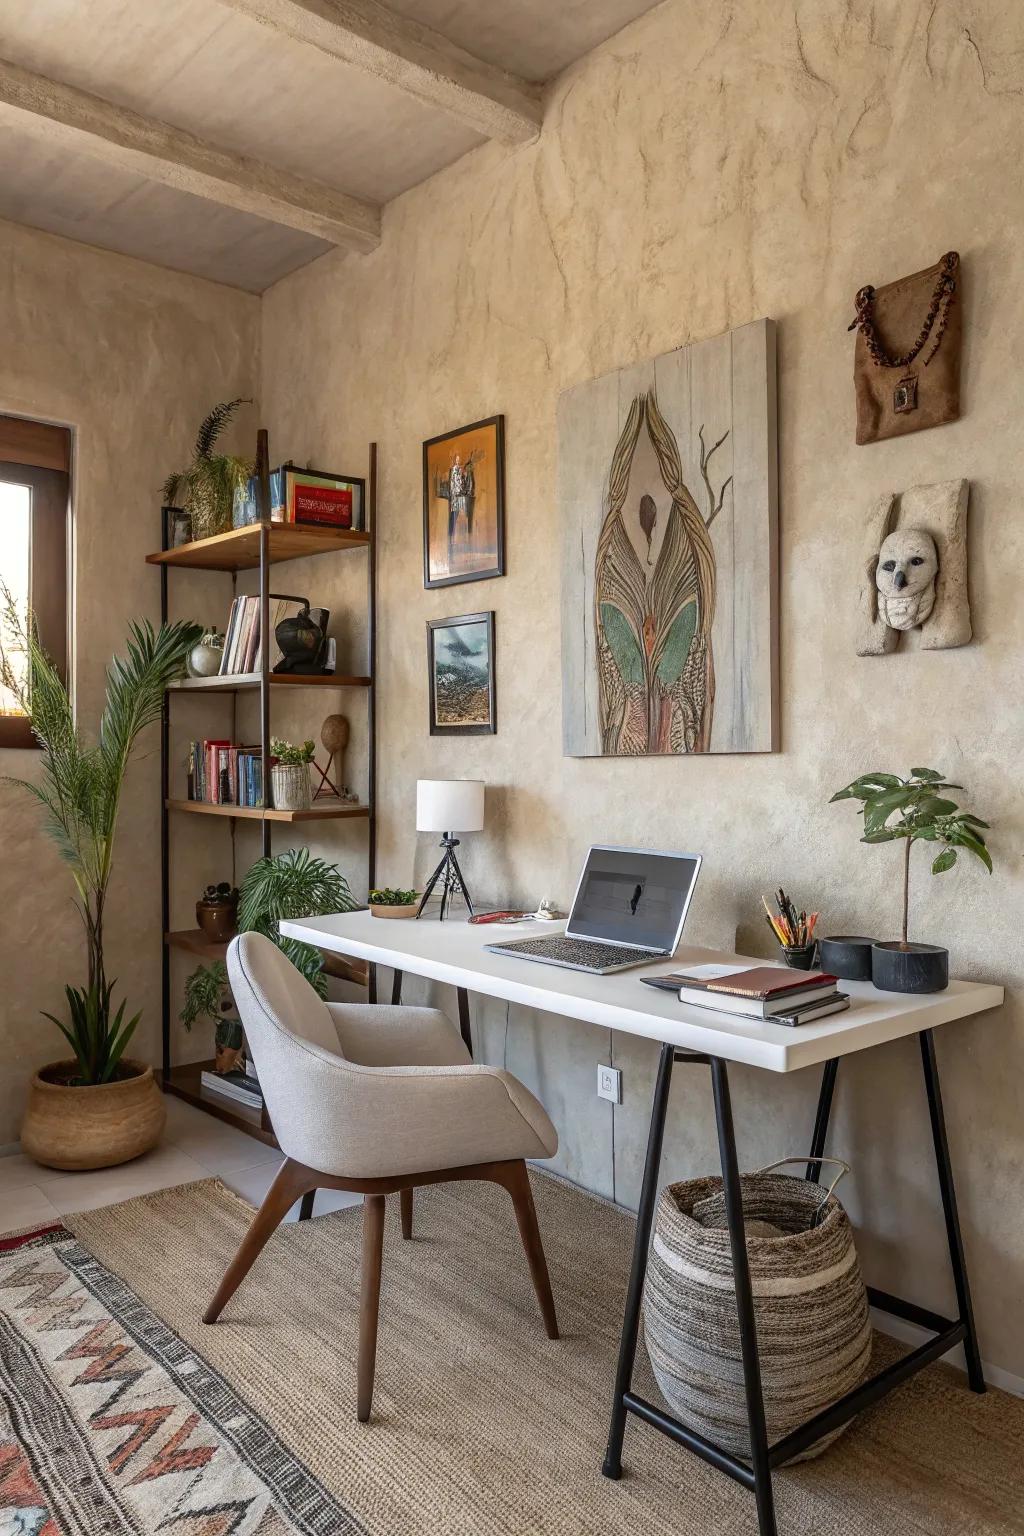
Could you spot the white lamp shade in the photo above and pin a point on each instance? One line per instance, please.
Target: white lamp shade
(449, 805)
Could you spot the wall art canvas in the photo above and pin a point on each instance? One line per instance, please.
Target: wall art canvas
(464, 504)
(460, 657)
(668, 510)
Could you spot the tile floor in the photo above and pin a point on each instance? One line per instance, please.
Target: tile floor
(194, 1146)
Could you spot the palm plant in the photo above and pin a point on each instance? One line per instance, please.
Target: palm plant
(80, 792)
(206, 490)
(291, 884)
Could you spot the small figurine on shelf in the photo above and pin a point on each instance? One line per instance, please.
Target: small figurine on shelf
(334, 734)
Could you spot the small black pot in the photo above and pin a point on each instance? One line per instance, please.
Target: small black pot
(915, 968)
(847, 956)
(799, 956)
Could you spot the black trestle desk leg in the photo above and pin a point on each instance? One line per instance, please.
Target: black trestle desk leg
(306, 1205)
(975, 1374)
(634, 1296)
(744, 1301)
(821, 1119)
(464, 1026)
(396, 989)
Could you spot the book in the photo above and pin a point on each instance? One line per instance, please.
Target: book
(838, 1003)
(695, 986)
(243, 1087)
(764, 982)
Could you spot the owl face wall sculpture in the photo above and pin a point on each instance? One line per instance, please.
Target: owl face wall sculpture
(908, 565)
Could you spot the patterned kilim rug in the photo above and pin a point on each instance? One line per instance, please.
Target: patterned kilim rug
(121, 1413)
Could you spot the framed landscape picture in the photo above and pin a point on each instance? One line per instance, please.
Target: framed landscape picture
(464, 504)
(460, 659)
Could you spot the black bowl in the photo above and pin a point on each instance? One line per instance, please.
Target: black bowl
(847, 956)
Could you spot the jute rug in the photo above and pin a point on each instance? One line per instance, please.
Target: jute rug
(126, 1414)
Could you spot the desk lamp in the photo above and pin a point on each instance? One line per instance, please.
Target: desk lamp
(448, 806)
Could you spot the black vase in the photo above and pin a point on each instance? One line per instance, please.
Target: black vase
(847, 956)
(909, 968)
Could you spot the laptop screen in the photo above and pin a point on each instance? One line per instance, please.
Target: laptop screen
(632, 896)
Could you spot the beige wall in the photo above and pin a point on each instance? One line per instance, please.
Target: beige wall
(710, 165)
(132, 357)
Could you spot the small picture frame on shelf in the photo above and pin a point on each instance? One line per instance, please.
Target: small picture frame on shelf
(460, 662)
(316, 498)
(464, 504)
(177, 527)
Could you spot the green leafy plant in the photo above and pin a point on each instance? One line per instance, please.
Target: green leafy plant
(206, 489)
(289, 752)
(924, 814)
(80, 789)
(388, 896)
(291, 884)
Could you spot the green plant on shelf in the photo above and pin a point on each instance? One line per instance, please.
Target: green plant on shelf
(79, 789)
(925, 814)
(288, 752)
(206, 490)
(288, 885)
(388, 896)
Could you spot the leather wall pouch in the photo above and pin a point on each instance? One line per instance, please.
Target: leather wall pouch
(906, 366)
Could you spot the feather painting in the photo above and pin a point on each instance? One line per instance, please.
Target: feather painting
(668, 594)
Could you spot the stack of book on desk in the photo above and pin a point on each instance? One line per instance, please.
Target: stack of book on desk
(767, 992)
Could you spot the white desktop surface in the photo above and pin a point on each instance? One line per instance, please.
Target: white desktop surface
(454, 952)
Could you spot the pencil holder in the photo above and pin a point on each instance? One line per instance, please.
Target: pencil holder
(799, 956)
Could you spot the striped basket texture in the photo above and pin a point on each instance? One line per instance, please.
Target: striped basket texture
(814, 1337)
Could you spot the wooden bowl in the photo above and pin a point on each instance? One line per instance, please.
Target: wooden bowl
(409, 910)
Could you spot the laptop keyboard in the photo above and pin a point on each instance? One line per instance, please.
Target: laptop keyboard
(584, 952)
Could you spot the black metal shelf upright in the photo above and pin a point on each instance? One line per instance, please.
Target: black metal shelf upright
(259, 546)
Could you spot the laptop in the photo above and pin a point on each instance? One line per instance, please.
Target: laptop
(629, 908)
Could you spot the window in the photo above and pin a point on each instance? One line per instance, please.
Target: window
(34, 463)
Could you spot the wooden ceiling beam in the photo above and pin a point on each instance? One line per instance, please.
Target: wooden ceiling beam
(178, 159)
(411, 57)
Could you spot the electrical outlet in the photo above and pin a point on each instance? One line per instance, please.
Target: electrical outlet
(609, 1083)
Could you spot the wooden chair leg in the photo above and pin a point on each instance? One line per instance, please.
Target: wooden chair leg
(405, 1198)
(369, 1302)
(291, 1182)
(517, 1181)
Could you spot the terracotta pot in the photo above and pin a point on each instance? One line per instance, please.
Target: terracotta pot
(95, 1127)
(218, 919)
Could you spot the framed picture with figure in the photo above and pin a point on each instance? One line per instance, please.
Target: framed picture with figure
(460, 659)
(464, 504)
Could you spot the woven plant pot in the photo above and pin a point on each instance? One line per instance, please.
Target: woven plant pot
(94, 1127)
(810, 1303)
(291, 786)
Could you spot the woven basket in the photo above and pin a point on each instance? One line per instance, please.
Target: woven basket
(810, 1303)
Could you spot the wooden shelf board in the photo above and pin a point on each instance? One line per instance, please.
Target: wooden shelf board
(321, 810)
(239, 548)
(194, 940)
(185, 1083)
(235, 682)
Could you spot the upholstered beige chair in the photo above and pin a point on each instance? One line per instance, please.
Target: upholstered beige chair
(377, 1100)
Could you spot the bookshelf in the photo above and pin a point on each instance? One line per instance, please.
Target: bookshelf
(258, 547)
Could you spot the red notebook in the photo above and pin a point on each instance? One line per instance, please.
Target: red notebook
(765, 982)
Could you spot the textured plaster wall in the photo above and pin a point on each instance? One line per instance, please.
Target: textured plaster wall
(715, 163)
(132, 357)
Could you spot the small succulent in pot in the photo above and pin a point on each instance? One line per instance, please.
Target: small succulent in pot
(217, 911)
(289, 753)
(387, 901)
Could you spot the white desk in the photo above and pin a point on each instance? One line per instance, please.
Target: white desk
(454, 952)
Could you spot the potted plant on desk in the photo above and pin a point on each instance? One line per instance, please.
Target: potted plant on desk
(98, 1107)
(924, 814)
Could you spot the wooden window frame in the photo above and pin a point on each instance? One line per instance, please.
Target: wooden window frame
(49, 573)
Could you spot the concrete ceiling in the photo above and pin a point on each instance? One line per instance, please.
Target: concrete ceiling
(227, 131)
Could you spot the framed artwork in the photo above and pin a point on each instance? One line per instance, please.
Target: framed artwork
(460, 660)
(464, 504)
(669, 511)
